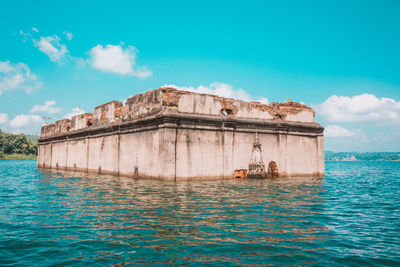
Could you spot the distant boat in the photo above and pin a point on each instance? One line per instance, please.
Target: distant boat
(347, 158)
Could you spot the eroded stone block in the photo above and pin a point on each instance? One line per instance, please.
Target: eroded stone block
(81, 121)
(47, 130)
(142, 105)
(107, 113)
(62, 126)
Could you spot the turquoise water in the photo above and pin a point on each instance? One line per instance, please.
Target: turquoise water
(351, 217)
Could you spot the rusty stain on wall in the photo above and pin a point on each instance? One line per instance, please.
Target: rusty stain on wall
(273, 170)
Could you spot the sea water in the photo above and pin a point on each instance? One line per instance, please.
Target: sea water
(350, 217)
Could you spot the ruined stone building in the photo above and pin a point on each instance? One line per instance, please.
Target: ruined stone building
(169, 134)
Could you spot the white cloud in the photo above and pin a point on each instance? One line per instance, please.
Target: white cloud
(23, 120)
(52, 47)
(3, 118)
(48, 107)
(68, 35)
(216, 88)
(114, 58)
(17, 76)
(263, 100)
(337, 131)
(75, 111)
(364, 107)
(23, 123)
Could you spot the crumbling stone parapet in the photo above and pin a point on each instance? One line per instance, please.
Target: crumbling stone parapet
(171, 96)
(81, 121)
(107, 113)
(171, 100)
(47, 130)
(62, 126)
(290, 109)
(229, 106)
(142, 105)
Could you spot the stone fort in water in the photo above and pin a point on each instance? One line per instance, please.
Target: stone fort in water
(173, 135)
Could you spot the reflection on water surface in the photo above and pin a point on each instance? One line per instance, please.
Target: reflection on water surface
(70, 218)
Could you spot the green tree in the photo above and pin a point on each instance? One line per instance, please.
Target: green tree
(17, 144)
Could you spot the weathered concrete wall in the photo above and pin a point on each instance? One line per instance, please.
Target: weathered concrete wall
(59, 155)
(95, 155)
(148, 154)
(77, 158)
(199, 154)
(175, 135)
(44, 155)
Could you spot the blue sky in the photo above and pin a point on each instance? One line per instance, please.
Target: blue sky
(340, 57)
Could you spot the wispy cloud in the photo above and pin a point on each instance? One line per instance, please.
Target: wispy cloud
(68, 35)
(51, 46)
(17, 76)
(117, 59)
(26, 36)
(49, 107)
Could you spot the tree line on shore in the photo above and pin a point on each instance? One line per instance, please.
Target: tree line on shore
(365, 156)
(18, 146)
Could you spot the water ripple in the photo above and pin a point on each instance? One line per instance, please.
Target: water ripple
(351, 217)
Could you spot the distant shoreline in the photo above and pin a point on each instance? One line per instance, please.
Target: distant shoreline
(18, 157)
(361, 156)
(396, 160)
(15, 159)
